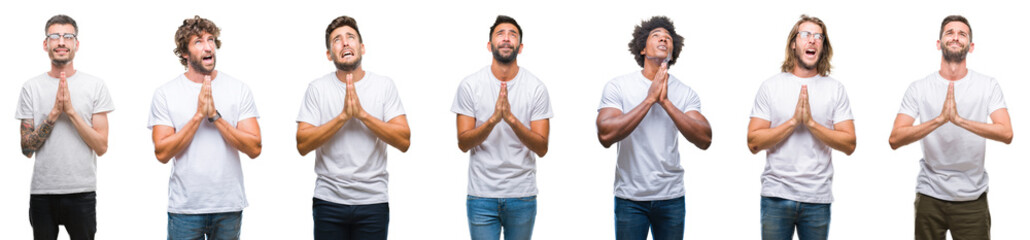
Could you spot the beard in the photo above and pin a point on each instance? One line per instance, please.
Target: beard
(198, 64)
(347, 67)
(954, 57)
(801, 63)
(61, 62)
(504, 59)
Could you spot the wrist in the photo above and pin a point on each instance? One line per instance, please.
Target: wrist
(214, 117)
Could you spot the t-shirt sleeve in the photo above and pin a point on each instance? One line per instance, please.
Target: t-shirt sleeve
(541, 105)
(248, 108)
(761, 108)
(910, 102)
(159, 111)
(842, 112)
(393, 106)
(309, 111)
(692, 102)
(464, 103)
(997, 99)
(611, 97)
(103, 101)
(25, 104)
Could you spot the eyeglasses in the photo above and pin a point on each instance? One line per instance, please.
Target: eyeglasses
(806, 34)
(56, 36)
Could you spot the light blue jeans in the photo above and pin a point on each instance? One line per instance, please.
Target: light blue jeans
(488, 216)
(781, 216)
(216, 226)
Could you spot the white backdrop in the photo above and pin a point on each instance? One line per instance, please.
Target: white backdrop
(575, 47)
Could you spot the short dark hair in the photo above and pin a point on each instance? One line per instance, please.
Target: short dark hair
(955, 18)
(643, 30)
(505, 19)
(61, 19)
(339, 22)
(190, 27)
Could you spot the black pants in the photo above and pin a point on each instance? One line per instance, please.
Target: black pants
(340, 221)
(77, 212)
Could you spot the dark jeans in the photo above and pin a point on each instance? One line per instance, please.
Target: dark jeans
(665, 219)
(341, 221)
(966, 220)
(77, 212)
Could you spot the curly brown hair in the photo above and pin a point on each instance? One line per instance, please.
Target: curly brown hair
(640, 33)
(195, 26)
(791, 59)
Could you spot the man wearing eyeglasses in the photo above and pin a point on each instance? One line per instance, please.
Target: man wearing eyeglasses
(954, 105)
(202, 119)
(799, 115)
(63, 116)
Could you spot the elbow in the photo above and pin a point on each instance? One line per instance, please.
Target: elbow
(162, 158)
(464, 148)
(403, 147)
(894, 143)
(100, 150)
(301, 150)
(255, 152)
(849, 150)
(1007, 139)
(606, 141)
(542, 151)
(753, 149)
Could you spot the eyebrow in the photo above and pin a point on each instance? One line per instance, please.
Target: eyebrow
(509, 30)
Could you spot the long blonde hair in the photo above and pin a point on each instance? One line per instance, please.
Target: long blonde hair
(791, 59)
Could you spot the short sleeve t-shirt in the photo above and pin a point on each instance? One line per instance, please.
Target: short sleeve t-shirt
(800, 167)
(501, 166)
(206, 176)
(351, 165)
(648, 166)
(64, 164)
(952, 167)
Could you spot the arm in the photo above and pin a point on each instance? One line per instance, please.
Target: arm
(470, 136)
(168, 142)
(692, 125)
(310, 137)
(761, 136)
(32, 138)
(395, 132)
(904, 133)
(841, 137)
(534, 137)
(1000, 128)
(95, 136)
(246, 136)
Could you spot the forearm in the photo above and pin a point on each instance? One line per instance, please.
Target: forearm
(697, 131)
(535, 142)
(475, 136)
(93, 138)
(840, 140)
(243, 141)
(762, 139)
(614, 129)
(174, 144)
(904, 135)
(32, 138)
(396, 134)
(310, 138)
(994, 131)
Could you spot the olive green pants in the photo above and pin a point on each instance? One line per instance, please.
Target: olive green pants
(966, 219)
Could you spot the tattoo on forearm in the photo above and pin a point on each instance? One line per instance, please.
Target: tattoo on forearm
(32, 138)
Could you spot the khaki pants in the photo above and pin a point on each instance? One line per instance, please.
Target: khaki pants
(965, 220)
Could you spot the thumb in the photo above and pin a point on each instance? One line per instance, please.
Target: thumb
(350, 78)
(63, 77)
(207, 79)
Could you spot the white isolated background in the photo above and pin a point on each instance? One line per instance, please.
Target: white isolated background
(575, 47)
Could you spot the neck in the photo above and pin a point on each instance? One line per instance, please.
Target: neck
(67, 68)
(197, 77)
(953, 71)
(804, 73)
(504, 72)
(358, 74)
(651, 66)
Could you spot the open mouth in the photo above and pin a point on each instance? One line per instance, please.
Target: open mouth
(810, 52)
(347, 53)
(208, 59)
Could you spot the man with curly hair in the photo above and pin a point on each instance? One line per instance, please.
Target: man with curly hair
(958, 110)
(202, 119)
(643, 112)
(503, 117)
(798, 128)
(63, 115)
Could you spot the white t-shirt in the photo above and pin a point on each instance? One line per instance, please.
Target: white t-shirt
(502, 167)
(64, 164)
(800, 168)
(648, 167)
(351, 166)
(953, 158)
(206, 177)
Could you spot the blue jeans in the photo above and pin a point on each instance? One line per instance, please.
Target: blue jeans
(487, 216)
(665, 219)
(781, 216)
(213, 225)
(77, 212)
(340, 221)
